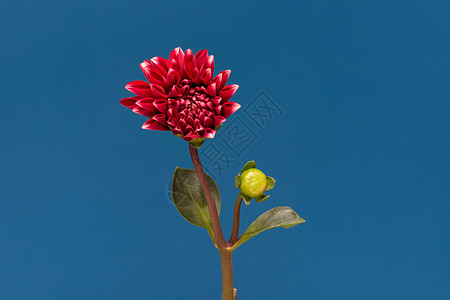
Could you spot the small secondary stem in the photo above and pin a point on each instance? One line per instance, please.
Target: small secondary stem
(236, 218)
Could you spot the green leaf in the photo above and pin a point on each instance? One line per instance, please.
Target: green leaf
(270, 183)
(250, 165)
(189, 199)
(246, 198)
(281, 216)
(197, 143)
(237, 181)
(262, 198)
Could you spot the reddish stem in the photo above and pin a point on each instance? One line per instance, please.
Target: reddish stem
(218, 238)
(236, 218)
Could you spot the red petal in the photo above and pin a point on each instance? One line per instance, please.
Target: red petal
(218, 120)
(182, 124)
(225, 75)
(161, 105)
(211, 90)
(142, 111)
(217, 80)
(208, 122)
(177, 66)
(190, 120)
(228, 92)
(175, 92)
(156, 77)
(216, 100)
(221, 79)
(158, 91)
(209, 133)
(177, 54)
(152, 124)
(172, 78)
(209, 63)
(189, 61)
(147, 103)
(195, 76)
(200, 130)
(191, 136)
(162, 64)
(229, 108)
(178, 132)
(139, 88)
(210, 106)
(200, 57)
(129, 102)
(206, 76)
(146, 66)
(161, 119)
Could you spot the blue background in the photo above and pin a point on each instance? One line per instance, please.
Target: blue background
(361, 151)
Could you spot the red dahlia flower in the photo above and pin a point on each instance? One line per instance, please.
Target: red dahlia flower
(182, 96)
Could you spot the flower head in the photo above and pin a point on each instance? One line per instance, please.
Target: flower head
(182, 96)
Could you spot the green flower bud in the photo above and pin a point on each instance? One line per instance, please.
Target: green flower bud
(253, 183)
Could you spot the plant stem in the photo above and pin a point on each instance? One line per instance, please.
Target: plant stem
(219, 238)
(236, 217)
(227, 274)
(228, 292)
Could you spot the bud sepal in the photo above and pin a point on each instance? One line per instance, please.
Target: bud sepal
(246, 198)
(262, 198)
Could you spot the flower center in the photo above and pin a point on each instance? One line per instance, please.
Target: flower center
(194, 95)
(191, 109)
(193, 100)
